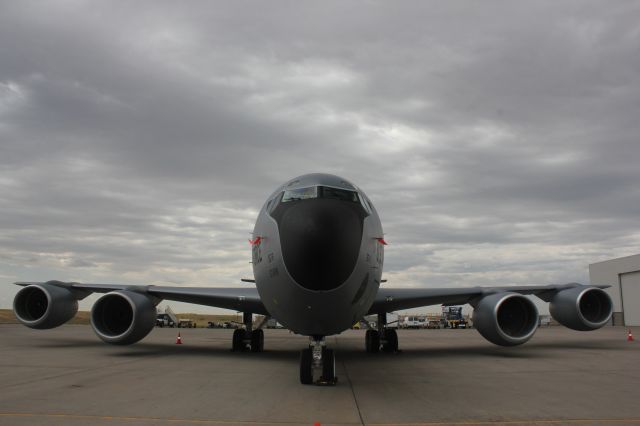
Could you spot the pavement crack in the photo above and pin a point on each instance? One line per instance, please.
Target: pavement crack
(353, 392)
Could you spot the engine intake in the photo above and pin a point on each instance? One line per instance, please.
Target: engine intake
(123, 317)
(581, 308)
(506, 319)
(44, 306)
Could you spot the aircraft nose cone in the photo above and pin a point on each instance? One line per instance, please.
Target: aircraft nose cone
(320, 241)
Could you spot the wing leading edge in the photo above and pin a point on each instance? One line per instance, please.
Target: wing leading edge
(390, 299)
(248, 300)
(238, 299)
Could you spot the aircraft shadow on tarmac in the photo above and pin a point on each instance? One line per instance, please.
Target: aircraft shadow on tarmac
(143, 349)
(346, 351)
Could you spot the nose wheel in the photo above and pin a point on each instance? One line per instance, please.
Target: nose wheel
(318, 358)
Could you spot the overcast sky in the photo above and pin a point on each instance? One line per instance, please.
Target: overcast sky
(499, 141)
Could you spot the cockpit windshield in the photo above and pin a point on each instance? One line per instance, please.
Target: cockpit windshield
(300, 194)
(338, 194)
(320, 192)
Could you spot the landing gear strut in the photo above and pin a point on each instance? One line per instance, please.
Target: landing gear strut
(317, 357)
(247, 338)
(383, 338)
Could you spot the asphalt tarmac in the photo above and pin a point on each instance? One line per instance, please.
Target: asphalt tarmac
(66, 376)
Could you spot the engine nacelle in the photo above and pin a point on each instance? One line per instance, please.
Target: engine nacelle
(581, 308)
(44, 306)
(123, 317)
(506, 319)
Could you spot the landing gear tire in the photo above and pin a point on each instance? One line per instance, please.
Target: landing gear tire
(328, 366)
(367, 340)
(306, 367)
(372, 341)
(237, 344)
(257, 340)
(391, 340)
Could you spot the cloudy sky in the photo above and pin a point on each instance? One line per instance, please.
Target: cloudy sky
(500, 141)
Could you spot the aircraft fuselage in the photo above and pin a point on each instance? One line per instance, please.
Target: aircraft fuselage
(317, 254)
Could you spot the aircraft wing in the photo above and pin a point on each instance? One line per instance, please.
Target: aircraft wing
(393, 299)
(237, 299)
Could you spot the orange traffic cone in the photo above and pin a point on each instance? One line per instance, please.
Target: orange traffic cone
(630, 336)
(179, 339)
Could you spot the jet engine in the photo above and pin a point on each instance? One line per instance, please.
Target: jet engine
(581, 308)
(44, 306)
(123, 317)
(506, 319)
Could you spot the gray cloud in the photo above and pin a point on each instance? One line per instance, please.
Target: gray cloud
(498, 142)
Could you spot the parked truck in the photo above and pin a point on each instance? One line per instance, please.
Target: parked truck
(166, 319)
(186, 323)
(452, 317)
(413, 321)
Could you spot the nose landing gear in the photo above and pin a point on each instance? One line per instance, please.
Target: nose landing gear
(318, 357)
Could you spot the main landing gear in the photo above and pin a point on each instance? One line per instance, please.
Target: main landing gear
(318, 357)
(383, 338)
(247, 338)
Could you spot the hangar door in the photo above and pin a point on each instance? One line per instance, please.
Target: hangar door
(630, 287)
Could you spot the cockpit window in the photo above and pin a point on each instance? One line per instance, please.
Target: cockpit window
(300, 194)
(320, 192)
(338, 194)
(365, 204)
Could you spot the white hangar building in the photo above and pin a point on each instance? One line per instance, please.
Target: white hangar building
(623, 275)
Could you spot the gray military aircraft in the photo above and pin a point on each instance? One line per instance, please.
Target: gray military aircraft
(317, 255)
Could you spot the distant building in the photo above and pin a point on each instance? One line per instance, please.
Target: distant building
(623, 275)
